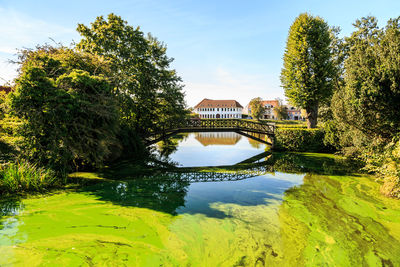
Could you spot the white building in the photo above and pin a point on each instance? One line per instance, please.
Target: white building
(218, 109)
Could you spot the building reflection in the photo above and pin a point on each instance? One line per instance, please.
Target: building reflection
(217, 138)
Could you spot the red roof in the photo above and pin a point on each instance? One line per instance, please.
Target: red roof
(273, 103)
(209, 103)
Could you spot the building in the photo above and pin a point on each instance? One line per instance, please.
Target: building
(218, 109)
(213, 138)
(294, 113)
(269, 109)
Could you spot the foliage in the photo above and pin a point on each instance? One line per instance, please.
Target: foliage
(24, 177)
(384, 161)
(280, 111)
(372, 82)
(363, 108)
(150, 94)
(299, 140)
(256, 107)
(308, 67)
(2, 104)
(69, 113)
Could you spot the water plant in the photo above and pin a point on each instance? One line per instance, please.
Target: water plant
(24, 176)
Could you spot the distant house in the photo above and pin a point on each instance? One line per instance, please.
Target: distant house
(269, 109)
(5, 89)
(218, 109)
(294, 113)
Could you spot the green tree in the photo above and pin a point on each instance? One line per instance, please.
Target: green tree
(256, 108)
(366, 118)
(150, 93)
(280, 111)
(371, 93)
(308, 68)
(69, 113)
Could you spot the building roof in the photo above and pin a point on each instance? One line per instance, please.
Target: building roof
(210, 103)
(5, 89)
(217, 139)
(274, 103)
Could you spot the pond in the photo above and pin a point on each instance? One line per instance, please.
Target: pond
(273, 210)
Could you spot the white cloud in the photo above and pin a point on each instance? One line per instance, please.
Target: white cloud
(224, 84)
(21, 31)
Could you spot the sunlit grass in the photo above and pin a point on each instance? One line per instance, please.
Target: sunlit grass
(24, 177)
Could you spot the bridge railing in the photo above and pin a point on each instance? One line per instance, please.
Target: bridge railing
(239, 124)
(234, 124)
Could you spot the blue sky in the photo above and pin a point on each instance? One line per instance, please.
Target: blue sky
(222, 49)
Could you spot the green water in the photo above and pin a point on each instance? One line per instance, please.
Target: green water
(289, 210)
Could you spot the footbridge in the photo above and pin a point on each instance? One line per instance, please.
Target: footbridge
(244, 127)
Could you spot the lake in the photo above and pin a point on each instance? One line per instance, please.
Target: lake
(279, 209)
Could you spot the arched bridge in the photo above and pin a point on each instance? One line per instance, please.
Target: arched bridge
(193, 175)
(244, 127)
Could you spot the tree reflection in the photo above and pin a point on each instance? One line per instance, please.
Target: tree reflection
(168, 146)
(313, 163)
(156, 193)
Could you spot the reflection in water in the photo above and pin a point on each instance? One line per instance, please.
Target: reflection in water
(156, 193)
(214, 150)
(217, 138)
(170, 145)
(296, 210)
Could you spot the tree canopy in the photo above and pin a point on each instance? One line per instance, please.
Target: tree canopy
(368, 102)
(256, 108)
(308, 68)
(151, 94)
(68, 111)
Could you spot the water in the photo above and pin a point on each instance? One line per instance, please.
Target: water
(286, 210)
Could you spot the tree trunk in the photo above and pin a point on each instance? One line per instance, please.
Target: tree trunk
(312, 116)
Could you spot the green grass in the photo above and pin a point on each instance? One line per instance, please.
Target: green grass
(26, 177)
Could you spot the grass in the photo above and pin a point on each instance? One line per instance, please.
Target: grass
(25, 177)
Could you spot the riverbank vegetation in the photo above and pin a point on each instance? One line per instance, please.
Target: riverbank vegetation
(84, 106)
(358, 111)
(24, 177)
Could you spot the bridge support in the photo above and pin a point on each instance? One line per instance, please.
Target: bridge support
(254, 138)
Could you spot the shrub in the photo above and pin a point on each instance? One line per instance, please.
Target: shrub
(23, 177)
(299, 140)
(384, 161)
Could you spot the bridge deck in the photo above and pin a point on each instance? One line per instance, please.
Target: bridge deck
(218, 125)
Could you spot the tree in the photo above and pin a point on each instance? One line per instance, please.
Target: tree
(371, 93)
(67, 107)
(150, 93)
(280, 111)
(256, 108)
(308, 68)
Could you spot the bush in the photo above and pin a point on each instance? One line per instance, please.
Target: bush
(299, 140)
(384, 162)
(24, 177)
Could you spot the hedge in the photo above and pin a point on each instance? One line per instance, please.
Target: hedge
(299, 140)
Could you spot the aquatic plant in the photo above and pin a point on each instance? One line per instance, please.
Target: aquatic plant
(24, 176)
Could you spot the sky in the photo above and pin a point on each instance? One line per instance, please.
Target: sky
(222, 49)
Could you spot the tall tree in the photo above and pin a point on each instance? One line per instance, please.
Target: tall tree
(68, 111)
(256, 108)
(308, 70)
(150, 93)
(368, 102)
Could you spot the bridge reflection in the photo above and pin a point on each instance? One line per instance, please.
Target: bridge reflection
(217, 138)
